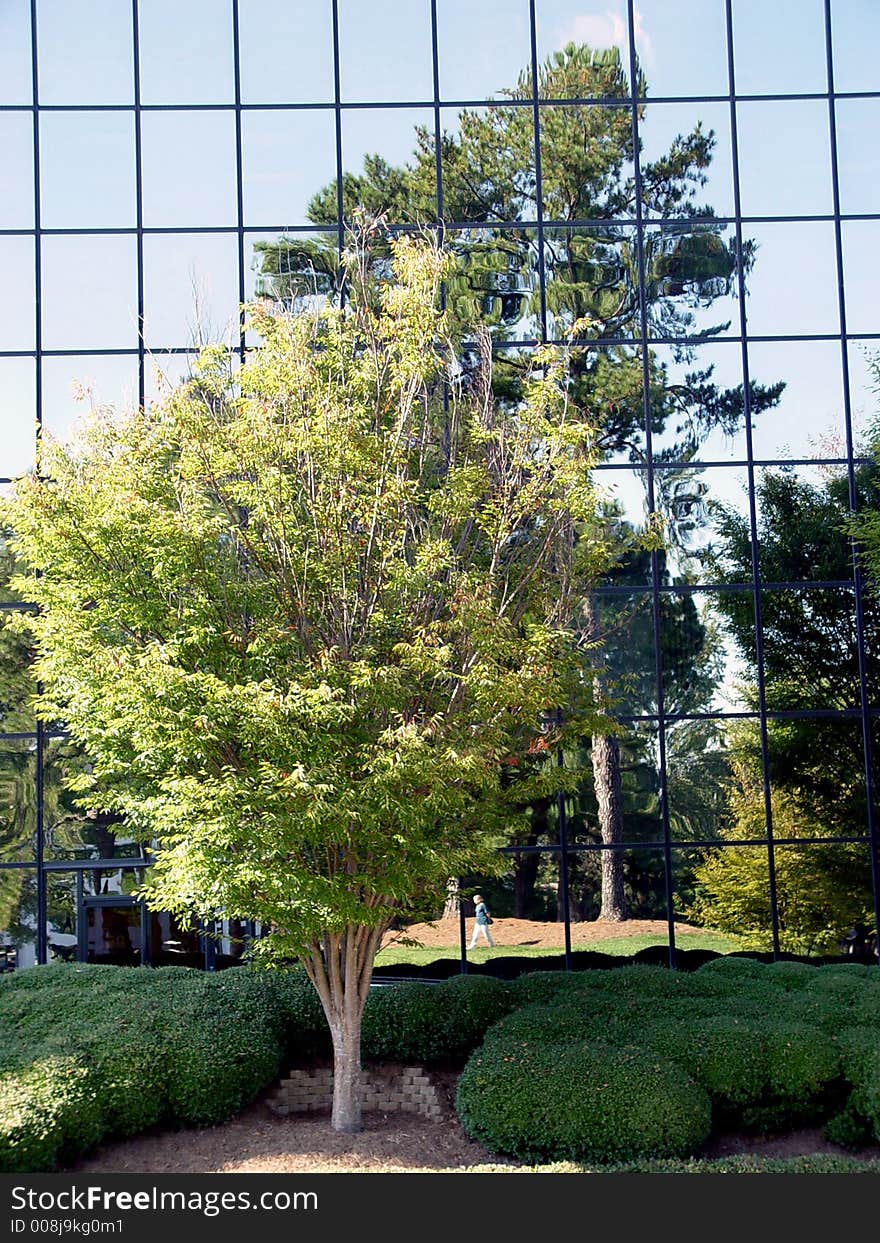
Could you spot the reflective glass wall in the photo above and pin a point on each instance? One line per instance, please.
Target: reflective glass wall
(690, 185)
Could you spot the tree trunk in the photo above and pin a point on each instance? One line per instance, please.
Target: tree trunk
(452, 904)
(606, 779)
(346, 1115)
(340, 968)
(605, 754)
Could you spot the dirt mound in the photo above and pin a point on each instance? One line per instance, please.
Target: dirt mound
(532, 933)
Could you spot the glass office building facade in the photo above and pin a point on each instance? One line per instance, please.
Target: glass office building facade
(697, 184)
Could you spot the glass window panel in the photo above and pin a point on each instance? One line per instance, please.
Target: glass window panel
(823, 893)
(592, 274)
(495, 281)
(15, 52)
(632, 757)
(792, 286)
(61, 916)
(17, 324)
(175, 193)
(87, 170)
(190, 289)
(474, 63)
(676, 128)
(624, 495)
(18, 918)
(113, 934)
(861, 273)
(586, 162)
(725, 891)
(808, 420)
(16, 683)
(601, 26)
(625, 662)
(864, 389)
(801, 512)
(790, 176)
(810, 647)
(855, 36)
(71, 833)
(74, 386)
(18, 802)
(18, 415)
(691, 280)
(287, 157)
(299, 270)
(598, 882)
(817, 775)
(86, 52)
(376, 144)
(696, 402)
(286, 51)
(761, 31)
(374, 68)
(702, 635)
(706, 513)
(186, 52)
(89, 286)
(487, 163)
(858, 121)
(698, 777)
(174, 942)
(16, 171)
(682, 46)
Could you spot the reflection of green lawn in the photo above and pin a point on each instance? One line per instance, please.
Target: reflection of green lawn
(619, 946)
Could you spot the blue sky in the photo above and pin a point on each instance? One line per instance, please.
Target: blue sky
(88, 172)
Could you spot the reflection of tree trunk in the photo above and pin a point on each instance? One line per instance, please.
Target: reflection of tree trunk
(451, 906)
(606, 779)
(605, 755)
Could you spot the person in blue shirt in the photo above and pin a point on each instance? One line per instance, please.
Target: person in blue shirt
(482, 920)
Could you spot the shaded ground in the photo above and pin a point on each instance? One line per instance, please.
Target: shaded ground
(534, 933)
(259, 1142)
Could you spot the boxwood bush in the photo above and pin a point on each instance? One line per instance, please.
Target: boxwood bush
(432, 1023)
(580, 1102)
(89, 1052)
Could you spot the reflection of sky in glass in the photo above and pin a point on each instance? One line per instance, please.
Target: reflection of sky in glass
(85, 52)
(473, 62)
(73, 386)
(294, 62)
(16, 171)
(200, 68)
(87, 175)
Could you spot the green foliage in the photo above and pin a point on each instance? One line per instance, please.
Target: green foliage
(91, 1053)
(413, 1022)
(580, 1102)
(772, 1046)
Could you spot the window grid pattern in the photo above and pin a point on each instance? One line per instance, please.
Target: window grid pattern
(653, 465)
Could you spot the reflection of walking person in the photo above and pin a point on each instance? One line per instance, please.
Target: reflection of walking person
(482, 920)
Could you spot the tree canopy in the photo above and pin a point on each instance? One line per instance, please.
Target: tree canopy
(298, 618)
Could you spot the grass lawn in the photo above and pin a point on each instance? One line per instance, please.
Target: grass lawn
(618, 946)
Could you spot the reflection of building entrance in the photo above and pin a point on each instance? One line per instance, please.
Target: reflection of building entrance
(112, 929)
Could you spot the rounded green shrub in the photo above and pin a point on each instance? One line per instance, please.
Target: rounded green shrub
(431, 1023)
(580, 1102)
(88, 1053)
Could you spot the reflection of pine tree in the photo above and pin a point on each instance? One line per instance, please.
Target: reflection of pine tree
(816, 767)
(591, 268)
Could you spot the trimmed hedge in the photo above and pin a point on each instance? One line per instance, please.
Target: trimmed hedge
(432, 1023)
(581, 1102)
(93, 1052)
(770, 1045)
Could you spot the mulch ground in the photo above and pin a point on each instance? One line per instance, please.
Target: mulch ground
(530, 933)
(259, 1142)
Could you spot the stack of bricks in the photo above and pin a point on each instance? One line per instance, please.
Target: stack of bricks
(408, 1090)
